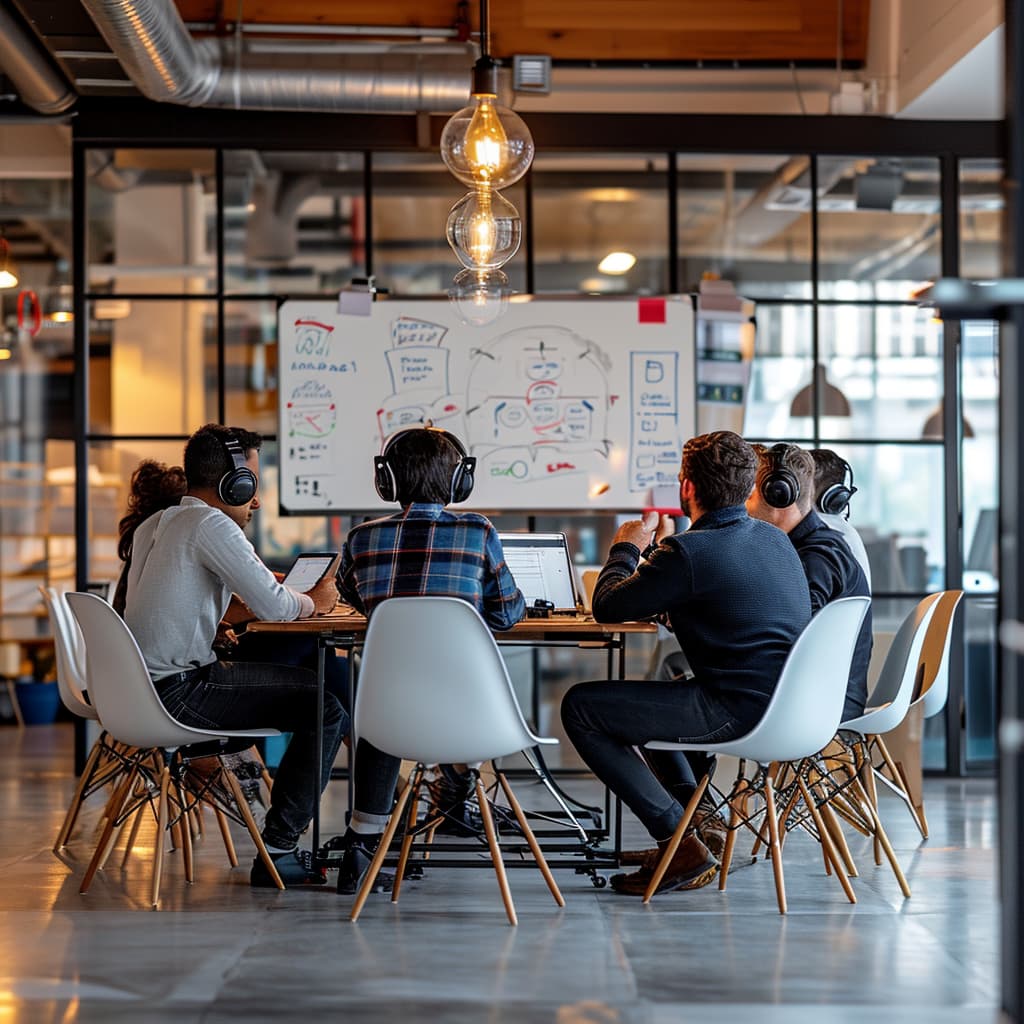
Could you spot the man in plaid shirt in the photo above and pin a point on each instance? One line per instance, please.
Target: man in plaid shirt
(423, 550)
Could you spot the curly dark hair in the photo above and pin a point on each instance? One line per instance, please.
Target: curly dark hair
(721, 466)
(154, 486)
(798, 461)
(207, 460)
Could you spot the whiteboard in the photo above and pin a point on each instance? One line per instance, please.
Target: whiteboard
(566, 404)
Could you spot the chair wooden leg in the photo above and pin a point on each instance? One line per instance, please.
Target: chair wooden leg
(382, 852)
(161, 828)
(867, 780)
(677, 837)
(79, 794)
(133, 834)
(773, 832)
(407, 839)
(883, 841)
(184, 820)
(492, 842)
(250, 824)
(899, 779)
(737, 813)
(838, 839)
(826, 840)
(531, 839)
(114, 806)
(225, 832)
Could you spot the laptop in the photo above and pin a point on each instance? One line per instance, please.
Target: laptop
(543, 571)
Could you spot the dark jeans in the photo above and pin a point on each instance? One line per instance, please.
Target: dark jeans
(246, 695)
(606, 720)
(375, 773)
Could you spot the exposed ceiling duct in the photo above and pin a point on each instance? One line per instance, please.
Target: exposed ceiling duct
(166, 64)
(39, 84)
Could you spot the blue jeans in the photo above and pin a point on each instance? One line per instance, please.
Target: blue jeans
(247, 695)
(606, 720)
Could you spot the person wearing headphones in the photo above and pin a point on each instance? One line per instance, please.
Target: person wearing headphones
(189, 562)
(784, 496)
(736, 598)
(422, 550)
(832, 496)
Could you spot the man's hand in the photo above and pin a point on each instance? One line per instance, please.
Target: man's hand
(325, 596)
(637, 531)
(666, 528)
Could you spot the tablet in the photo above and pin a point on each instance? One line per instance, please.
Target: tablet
(309, 569)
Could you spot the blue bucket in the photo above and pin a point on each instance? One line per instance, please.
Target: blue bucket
(38, 701)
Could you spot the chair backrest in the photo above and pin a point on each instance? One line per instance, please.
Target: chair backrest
(119, 684)
(807, 702)
(890, 700)
(589, 583)
(69, 648)
(433, 686)
(933, 682)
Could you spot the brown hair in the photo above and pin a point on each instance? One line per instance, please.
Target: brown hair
(721, 466)
(423, 462)
(154, 486)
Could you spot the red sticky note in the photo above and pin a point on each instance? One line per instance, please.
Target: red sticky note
(650, 311)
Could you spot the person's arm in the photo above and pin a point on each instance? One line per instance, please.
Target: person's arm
(626, 592)
(227, 553)
(824, 577)
(504, 604)
(348, 585)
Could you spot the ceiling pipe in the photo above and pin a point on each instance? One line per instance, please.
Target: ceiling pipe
(39, 84)
(166, 64)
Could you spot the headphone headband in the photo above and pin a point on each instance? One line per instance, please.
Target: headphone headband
(384, 479)
(238, 485)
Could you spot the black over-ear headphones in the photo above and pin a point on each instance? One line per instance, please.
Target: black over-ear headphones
(238, 485)
(779, 486)
(835, 500)
(462, 475)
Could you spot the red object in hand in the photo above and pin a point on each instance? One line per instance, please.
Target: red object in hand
(28, 298)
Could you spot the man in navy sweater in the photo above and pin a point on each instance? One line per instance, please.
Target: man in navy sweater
(736, 597)
(784, 497)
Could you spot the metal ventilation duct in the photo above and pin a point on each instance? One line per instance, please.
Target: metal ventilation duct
(166, 64)
(38, 83)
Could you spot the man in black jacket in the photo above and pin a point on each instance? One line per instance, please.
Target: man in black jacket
(736, 597)
(784, 497)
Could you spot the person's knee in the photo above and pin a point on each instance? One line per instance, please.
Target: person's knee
(575, 706)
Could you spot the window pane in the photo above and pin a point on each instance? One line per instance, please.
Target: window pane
(412, 197)
(898, 511)
(881, 375)
(748, 219)
(981, 218)
(979, 680)
(250, 365)
(293, 222)
(586, 207)
(878, 225)
(781, 365)
(150, 221)
(146, 367)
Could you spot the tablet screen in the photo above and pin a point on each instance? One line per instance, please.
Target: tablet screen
(308, 570)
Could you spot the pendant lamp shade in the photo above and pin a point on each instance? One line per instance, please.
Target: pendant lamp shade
(832, 402)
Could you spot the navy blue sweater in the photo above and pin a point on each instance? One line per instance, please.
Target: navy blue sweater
(735, 594)
(833, 572)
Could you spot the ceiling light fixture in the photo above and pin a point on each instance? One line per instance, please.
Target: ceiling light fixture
(487, 147)
(831, 401)
(617, 263)
(8, 271)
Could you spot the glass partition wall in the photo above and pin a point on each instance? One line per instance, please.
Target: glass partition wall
(185, 263)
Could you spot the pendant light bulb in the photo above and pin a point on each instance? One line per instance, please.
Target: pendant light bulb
(484, 229)
(486, 144)
(480, 296)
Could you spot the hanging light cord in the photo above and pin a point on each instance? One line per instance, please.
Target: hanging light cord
(485, 29)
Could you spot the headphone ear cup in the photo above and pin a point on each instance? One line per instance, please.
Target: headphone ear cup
(237, 487)
(835, 499)
(778, 489)
(463, 479)
(384, 478)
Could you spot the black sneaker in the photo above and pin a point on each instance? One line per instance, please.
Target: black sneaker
(295, 868)
(355, 862)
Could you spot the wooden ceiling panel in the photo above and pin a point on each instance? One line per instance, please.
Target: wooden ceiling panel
(599, 30)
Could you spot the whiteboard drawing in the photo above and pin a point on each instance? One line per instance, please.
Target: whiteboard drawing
(537, 400)
(655, 447)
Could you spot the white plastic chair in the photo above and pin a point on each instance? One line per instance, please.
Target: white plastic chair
(106, 761)
(130, 710)
(434, 689)
(800, 719)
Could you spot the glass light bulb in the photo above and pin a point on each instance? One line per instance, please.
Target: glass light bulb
(480, 296)
(486, 144)
(484, 229)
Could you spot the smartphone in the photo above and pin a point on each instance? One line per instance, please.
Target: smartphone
(310, 568)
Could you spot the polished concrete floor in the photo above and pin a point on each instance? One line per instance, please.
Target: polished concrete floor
(219, 951)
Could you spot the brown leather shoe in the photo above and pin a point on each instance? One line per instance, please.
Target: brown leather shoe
(690, 868)
(712, 829)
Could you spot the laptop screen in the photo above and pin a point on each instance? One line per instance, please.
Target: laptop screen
(541, 567)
